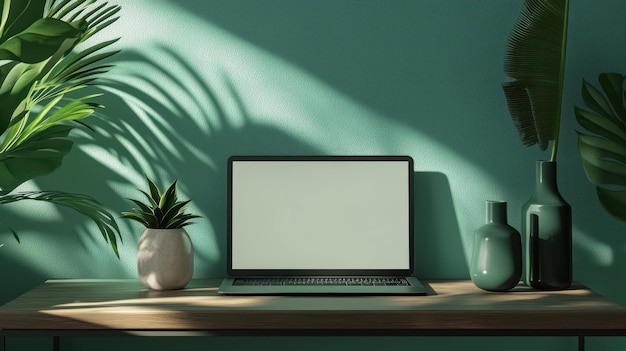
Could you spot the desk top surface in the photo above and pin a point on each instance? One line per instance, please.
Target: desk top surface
(452, 305)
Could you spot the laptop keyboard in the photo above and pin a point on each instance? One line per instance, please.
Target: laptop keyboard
(312, 281)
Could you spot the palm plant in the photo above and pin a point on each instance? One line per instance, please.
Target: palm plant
(42, 63)
(535, 60)
(162, 211)
(603, 149)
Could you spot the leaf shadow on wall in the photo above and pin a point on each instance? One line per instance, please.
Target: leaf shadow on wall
(185, 125)
(154, 133)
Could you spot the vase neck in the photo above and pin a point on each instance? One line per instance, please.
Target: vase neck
(546, 177)
(496, 212)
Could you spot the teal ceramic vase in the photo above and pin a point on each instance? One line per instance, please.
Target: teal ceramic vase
(496, 263)
(547, 233)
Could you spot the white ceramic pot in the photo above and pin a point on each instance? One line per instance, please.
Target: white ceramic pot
(165, 258)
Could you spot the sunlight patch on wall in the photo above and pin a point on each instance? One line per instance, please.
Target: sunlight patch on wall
(200, 64)
(98, 154)
(46, 212)
(601, 253)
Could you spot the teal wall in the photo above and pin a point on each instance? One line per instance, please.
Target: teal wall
(200, 80)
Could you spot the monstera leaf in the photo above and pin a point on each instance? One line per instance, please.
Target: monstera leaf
(535, 62)
(603, 149)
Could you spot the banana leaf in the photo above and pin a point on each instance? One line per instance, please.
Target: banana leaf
(535, 61)
(603, 147)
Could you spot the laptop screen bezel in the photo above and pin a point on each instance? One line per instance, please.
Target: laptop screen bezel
(320, 272)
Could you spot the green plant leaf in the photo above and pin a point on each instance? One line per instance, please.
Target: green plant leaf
(597, 124)
(136, 216)
(40, 40)
(37, 39)
(155, 193)
(169, 197)
(182, 221)
(166, 213)
(75, 109)
(14, 92)
(40, 154)
(603, 152)
(612, 85)
(81, 203)
(173, 213)
(604, 161)
(525, 100)
(613, 201)
(65, 7)
(143, 208)
(17, 15)
(77, 70)
(14, 89)
(594, 99)
(535, 61)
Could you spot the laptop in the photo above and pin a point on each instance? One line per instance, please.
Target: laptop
(320, 225)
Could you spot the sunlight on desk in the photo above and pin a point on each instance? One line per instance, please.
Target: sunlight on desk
(452, 295)
(454, 307)
(155, 303)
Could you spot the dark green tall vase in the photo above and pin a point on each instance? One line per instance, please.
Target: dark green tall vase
(496, 263)
(547, 233)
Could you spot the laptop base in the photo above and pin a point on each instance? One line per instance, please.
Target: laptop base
(229, 288)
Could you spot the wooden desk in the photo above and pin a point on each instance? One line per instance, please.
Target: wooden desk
(122, 307)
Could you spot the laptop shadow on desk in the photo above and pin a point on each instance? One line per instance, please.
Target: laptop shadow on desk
(439, 252)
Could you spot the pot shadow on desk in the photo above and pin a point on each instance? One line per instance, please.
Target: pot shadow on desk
(439, 252)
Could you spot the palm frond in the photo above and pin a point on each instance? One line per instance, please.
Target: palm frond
(38, 38)
(535, 61)
(81, 203)
(44, 49)
(81, 58)
(68, 7)
(102, 20)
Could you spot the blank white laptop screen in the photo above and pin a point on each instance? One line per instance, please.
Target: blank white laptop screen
(320, 215)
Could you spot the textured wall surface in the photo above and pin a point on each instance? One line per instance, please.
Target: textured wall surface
(198, 81)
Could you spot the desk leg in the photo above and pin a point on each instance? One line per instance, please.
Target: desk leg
(56, 343)
(581, 343)
(2, 340)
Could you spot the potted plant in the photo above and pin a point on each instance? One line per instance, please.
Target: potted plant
(165, 251)
(603, 147)
(535, 62)
(44, 66)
